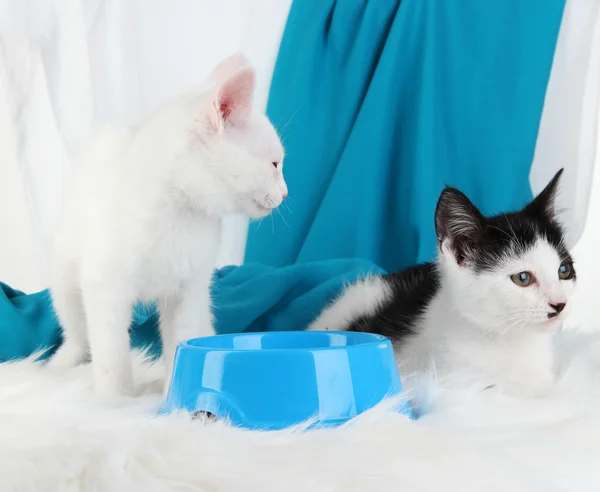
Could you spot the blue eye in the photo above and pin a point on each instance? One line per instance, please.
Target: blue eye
(522, 279)
(566, 271)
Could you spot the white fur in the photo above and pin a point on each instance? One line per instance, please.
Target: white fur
(144, 219)
(479, 321)
(363, 298)
(57, 434)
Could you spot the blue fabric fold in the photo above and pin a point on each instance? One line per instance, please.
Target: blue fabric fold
(247, 298)
(27, 323)
(383, 103)
(257, 297)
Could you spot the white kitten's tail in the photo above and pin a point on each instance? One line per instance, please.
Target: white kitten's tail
(364, 298)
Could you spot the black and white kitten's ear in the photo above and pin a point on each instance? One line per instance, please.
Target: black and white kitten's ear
(544, 205)
(458, 224)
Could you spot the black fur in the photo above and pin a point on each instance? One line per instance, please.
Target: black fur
(483, 242)
(478, 242)
(413, 289)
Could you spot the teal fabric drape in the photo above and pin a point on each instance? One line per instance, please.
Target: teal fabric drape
(381, 103)
(27, 323)
(247, 298)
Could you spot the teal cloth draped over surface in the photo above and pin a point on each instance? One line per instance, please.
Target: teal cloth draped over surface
(381, 103)
(246, 298)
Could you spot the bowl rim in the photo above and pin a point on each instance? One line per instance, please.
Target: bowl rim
(373, 339)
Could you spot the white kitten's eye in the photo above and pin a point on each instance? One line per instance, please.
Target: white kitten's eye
(522, 279)
(275, 164)
(566, 271)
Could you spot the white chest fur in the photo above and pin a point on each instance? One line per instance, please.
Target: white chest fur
(518, 361)
(180, 247)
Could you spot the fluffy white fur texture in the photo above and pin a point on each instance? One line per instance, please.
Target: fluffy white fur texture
(57, 434)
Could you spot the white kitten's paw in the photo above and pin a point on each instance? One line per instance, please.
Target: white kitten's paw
(110, 382)
(68, 355)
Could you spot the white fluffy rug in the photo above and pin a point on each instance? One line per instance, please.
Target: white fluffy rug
(56, 435)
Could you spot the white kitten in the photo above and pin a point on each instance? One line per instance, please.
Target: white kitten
(489, 307)
(143, 221)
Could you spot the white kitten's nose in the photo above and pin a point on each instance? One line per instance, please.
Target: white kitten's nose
(284, 191)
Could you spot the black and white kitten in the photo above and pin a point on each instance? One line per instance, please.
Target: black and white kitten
(491, 303)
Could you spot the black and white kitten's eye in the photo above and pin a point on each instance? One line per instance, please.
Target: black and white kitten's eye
(566, 271)
(522, 279)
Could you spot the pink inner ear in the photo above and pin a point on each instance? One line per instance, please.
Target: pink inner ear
(235, 96)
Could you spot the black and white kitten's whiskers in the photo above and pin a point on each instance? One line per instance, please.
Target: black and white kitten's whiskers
(491, 303)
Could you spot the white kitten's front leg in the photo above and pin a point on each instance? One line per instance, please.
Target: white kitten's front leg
(67, 303)
(185, 316)
(108, 312)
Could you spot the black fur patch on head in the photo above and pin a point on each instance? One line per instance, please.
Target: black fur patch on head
(482, 242)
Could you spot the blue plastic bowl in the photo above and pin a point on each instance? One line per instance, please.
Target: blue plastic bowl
(278, 379)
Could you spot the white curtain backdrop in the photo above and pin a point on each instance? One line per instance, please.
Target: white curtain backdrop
(568, 130)
(66, 65)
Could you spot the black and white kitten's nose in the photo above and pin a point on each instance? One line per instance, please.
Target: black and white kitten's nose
(557, 309)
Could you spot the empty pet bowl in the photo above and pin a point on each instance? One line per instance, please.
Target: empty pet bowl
(277, 379)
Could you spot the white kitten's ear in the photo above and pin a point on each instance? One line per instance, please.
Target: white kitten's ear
(235, 95)
(232, 100)
(458, 224)
(544, 205)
